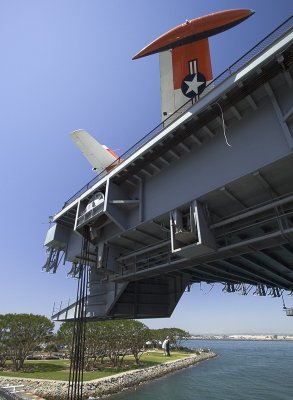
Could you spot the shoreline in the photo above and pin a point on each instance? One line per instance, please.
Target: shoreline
(265, 338)
(57, 390)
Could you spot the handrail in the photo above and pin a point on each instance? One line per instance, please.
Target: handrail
(261, 45)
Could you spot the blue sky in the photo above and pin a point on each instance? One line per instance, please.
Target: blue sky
(66, 64)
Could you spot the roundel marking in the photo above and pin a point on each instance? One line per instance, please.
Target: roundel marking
(193, 84)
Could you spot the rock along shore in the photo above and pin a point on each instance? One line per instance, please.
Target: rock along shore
(57, 390)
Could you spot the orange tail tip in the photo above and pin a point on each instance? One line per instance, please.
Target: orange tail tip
(114, 163)
(110, 151)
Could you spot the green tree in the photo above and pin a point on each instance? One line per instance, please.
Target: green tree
(96, 343)
(51, 346)
(176, 336)
(97, 338)
(116, 345)
(24, 333)
(159, 335)
(3, 341)
(135, 334)
(116, 339)
(64, 335)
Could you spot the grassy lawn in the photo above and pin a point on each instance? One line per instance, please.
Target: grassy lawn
(59, 369)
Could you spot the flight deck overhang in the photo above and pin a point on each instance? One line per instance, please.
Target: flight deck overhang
(206, 105)
(205, 197)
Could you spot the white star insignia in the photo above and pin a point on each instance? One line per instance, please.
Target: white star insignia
(193, 85)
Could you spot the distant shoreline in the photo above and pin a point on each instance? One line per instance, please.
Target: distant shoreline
(270, 338)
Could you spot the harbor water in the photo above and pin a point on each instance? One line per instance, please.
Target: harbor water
(254, 370)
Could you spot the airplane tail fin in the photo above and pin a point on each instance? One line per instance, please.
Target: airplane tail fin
(185, 72)
(185, 64)
(99, 156)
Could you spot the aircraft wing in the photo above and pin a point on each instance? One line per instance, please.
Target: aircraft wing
(98, 155)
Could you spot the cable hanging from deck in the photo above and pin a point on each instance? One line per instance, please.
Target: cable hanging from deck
(75, 381)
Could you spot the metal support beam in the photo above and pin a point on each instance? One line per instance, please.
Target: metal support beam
(213, 274)
(147, 173)
(273, 261)
(123, 236)
(184, 147)
(164, 161)
(157, 169)
(244, 270)
(288, 115)
(149, 234)
(144, 250)
(236, 113)
(265, 268)
(195, 139)
(172, 152)
(208, 131)
(251, 102)
(232, 196)
(221, 265)
(288, 78)
(254, 211)
(265, 184)
(279, 115)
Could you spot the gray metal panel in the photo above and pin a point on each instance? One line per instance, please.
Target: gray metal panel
(216, 164)
(57, 237)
